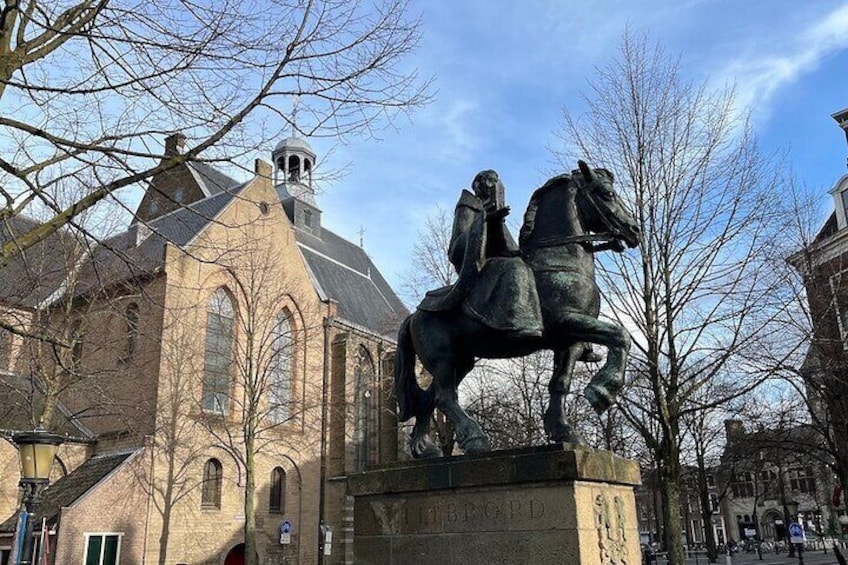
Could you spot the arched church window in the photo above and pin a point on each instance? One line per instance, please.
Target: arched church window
(281, 370)
(5, 348)
(218, 353)
(213, 474)
(277, 502)
(364, 381)
(131, 317)
(77, 338)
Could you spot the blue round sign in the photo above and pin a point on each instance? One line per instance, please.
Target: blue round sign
(286, 527)
(796, 530)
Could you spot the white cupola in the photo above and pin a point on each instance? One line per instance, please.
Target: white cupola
(293, 161)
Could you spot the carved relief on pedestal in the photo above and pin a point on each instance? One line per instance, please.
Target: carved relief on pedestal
(612, 537)
(388, 515)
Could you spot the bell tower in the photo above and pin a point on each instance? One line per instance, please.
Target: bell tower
(294, 161)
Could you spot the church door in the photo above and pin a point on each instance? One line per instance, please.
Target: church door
(235, 556)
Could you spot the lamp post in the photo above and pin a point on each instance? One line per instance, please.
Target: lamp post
(37, 449)
(792, 508)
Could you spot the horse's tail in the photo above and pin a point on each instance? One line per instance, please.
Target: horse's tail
(412, 400)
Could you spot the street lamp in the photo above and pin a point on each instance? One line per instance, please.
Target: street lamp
(37, 449)
(792, 508)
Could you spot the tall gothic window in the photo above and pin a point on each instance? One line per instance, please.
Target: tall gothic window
(364, 377)
(213, 475)
(219, 352)
(277, 502)
(131, 330)
(77, 336)
(5, 349)
(280, 379)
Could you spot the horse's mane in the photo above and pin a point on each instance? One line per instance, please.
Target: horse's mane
(533, 206)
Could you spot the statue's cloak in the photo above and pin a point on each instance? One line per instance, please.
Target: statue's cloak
(494, 285)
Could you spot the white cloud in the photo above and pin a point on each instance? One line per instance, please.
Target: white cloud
(782, 58)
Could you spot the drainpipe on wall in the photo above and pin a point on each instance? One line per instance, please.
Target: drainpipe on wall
(328, 323)
(150, 443)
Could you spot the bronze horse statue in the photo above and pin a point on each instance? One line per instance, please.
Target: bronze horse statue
(569, 218)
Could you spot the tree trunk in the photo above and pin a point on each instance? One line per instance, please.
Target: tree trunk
(250, 555)
(167, 505)
(706, 510)
(670, 475)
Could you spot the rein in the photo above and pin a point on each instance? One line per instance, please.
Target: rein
(585, 238)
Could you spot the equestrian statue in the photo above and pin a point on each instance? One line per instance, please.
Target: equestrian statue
(512, 300)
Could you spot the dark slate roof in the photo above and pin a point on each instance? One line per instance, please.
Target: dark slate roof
(72, 486)
(36, 272)
(347, 275)
(829, 228)
(214, 180)
(21, 403)
(140, 251)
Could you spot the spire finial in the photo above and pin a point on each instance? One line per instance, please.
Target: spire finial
(361, 233)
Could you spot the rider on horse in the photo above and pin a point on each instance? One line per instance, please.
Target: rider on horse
(488, 265)
(494, 285)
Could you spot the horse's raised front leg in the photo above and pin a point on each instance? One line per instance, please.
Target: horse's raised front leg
(608, 381)
(556, 427)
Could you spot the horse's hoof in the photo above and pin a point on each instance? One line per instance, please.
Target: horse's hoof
(424, 448)
(563, 433)
(476, 444)
(575, 438)
(599, 397)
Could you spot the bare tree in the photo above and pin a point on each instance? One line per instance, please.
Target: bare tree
(698, 294)
(251, 403)
(89, 86)
(703, 439)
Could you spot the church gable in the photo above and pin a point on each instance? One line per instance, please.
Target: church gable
(180, 186)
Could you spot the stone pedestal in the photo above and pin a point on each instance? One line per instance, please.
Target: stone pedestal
(555, 504)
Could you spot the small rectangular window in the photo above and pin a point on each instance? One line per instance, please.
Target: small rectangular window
(307, 218)
(102, 549)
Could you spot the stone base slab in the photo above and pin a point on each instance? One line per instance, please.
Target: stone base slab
(555, 504)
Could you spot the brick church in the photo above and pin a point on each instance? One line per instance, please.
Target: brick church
(226, 338)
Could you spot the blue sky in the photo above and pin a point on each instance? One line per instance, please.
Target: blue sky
(504, 71)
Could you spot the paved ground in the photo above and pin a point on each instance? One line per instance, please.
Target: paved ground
(810, 558)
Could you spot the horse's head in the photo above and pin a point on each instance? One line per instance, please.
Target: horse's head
(601, 210)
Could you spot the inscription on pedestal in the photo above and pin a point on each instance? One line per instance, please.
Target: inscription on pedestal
(546, 506)
(460, 512)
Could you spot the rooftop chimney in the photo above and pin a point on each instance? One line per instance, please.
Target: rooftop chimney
(174, 144)
(841, 118)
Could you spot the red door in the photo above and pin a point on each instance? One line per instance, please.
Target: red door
(235, 556)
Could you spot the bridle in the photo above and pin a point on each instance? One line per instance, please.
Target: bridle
(585, 238)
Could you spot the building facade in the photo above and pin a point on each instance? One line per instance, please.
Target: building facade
(768, 472)
(225, 342)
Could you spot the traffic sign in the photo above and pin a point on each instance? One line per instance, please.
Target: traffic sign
(796, 533)
(285, 532)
